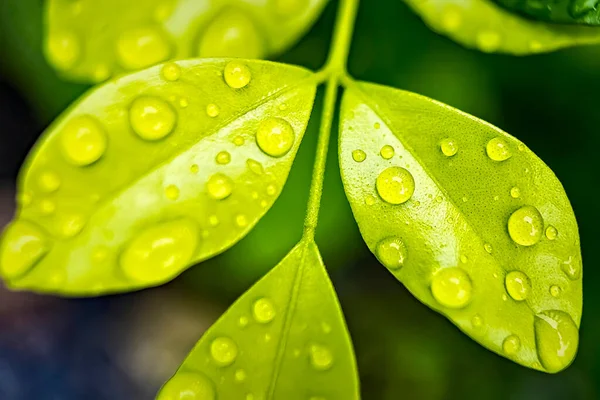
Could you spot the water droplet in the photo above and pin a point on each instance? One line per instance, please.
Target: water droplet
(477, 321)
(320, 357)
(47, 207)
(223, 158)
(83, 140)
(152, 118)
(498, 149)
(359, 155)
(263, 310)
(160, 252)
(370, 200)
(63, 50)
(395, 185)
(515, 193)
(219, 186)
(551, 232)
(49, 182)
(183, 102)
(449, 147)
(525, 226)
(517, 285)
(231, 34)
(72, 226)
(387, 152)
(451, 287)
(255, 166)
(275, 136)
(555, 291)
(171, 72)
(240, 375)
(556, 339)
(194, 169)
(511, 345)
(267, 337)
(142, 47)
(22, 247)
(488, 247)
(172, 192)
(271, 189)
(377, 125)
(488, 41)
(325, 327)
(238, 140)
(188, 385)
(237, 75)
(213, 110)
(213, 220)
(241, 220)
(392, 252)
(243, 321)
(223, 350)
(571, 268)
(464, 259)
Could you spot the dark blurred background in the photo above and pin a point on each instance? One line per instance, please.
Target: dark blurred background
(126, 346)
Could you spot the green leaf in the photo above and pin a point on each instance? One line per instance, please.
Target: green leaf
(483, 25)
(153, 172)
(473, 223)
(90, 40)
(285, 338)
(583, 12)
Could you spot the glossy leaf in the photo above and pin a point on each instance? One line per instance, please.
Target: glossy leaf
(153, 172)
(285, 338)
(90, 40)
(473, 223)
(484, 25)
(584, 12)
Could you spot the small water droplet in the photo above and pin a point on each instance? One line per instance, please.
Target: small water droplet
(224, 351)
(555, 291)
(241, 220)
(219, 186)
(152, 118)
(477, 321)
(392, 252)
(47, 207)
(370, 200)
(488, 40)
(238, 140)
(23, 246)
(183, 102)
(237, 75)
(517, 285)
(498, 149)
(464, 259)
(243, 321)
(449, 147)
(325, 327)
(255, 166)
(142, 47)
(194, 169)
(515, 193)
(387, 152)
(525, 226)
(359, 155)
(551, 232)
(63, 50)
(263, 310)
(271, 189)
(395, 185)
(556, 339)
(49, 182)
(72, 225)
(83, 140)
(488, 247)
(275, 136)
(240, 375)
(172, 192)
(267, 337)
(223, 158)
(188, 385)
(321, 357)
(377, 125)
(213, 110)
(511, 345)
(452, 287)
(171, 72)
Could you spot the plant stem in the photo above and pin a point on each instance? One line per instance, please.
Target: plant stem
(335, 68)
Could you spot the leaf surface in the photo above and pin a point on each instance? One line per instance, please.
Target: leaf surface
(285, 338)
(90, 40)
(584, 12)
(473, 223)
(486, 26)
(145, 176)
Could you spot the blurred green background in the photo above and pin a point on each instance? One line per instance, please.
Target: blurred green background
(124, 347)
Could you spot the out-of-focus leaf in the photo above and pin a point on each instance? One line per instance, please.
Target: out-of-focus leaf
(90, 40)
(153, 172)
(484, 25)
(583, 12)
(468, 218)
(285, 338)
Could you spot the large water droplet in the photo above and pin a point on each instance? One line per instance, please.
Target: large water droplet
(219, 186)
(391, 252)
(359, 155)
(160, 252)
(263, 310)
(321, 357)
(525, 226)
(498, 149)
(556, 339)
(517, 285)
(223, 350)
(63, 50)
(23, 245)
(142, 47)
(231, 34)
(152, 118)
(83, 140)
(451, 287)
(387, 152)
(395, 185)
(237, 75)
(449, 147)
(511, 345)
(188, 386)
(275, 136)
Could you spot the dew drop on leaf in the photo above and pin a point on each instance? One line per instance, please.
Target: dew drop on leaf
(152, 118)
(517, 285)
(47, 207)
(515, 193)
(359, 155)
(194, 169)
(23, 245)
(498, 149)
(223, 350)
(172, 192)
(551, 232)
(171, 72)
(526, 226)
(387, 152)
(63, 50)
(321, 357)
(556, 338)
(449, 147)
(271, 189)
(212, 110)
(392, 252)
(511, 344)
(263, 310)
(488, 40)
(72, 226)
(451, 287)
(395, 185)
(275, 136)
(241, 220)
(237, 75)
(555, 291)
(223, 157)
(240, 375)
(488, 247)
(477, 321)
(49, 182)
(188, 386)
(219, 186)
(83, 140)
(142, 47)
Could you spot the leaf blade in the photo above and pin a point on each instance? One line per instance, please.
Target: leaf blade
(451, 243)
(579, 12)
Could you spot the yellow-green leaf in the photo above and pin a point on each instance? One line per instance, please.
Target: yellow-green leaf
(91, 40)
(584, 12)
(486, 26)
(153, 172)
(285, 338)
(473, 223)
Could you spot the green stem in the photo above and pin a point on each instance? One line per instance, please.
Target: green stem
(335, 68)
